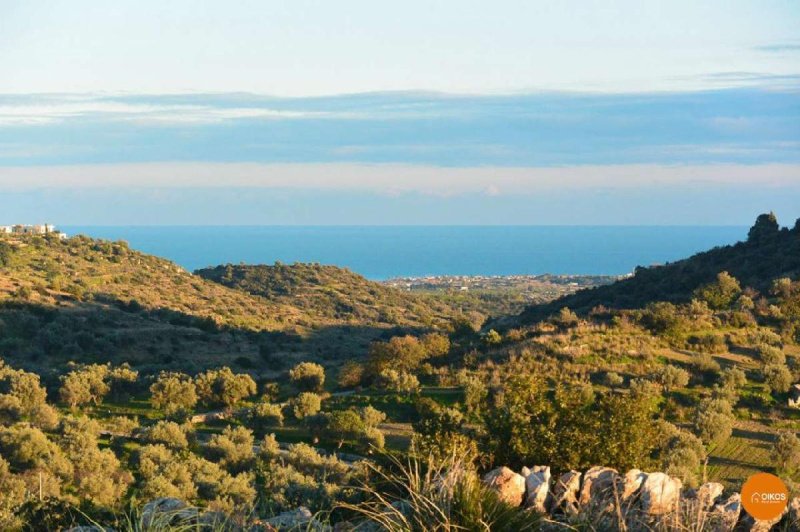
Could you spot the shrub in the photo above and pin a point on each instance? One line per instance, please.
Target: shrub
(778, 378)
(733, 378)
(713, 420)
(371, 416)
(401, 353)
(672, 377)
(344, 425)
(399, 381)
(786, 454)
(350, 374)
(233, 449)
(770, 355)
(308, 376)
(721, 293)
(264, 415)
(168, 433)
(305, 405)
(222, 387)
(174, 393)
(435, 344)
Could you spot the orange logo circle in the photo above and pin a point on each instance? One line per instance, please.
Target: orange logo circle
(764, 496)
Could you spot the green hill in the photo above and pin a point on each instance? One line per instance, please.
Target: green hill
(93, 300)
(328, 293)
(770, 252)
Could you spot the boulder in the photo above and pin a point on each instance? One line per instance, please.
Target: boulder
(166, 511)
(630, 484)
(708, 493)
(598, 486)
(300, 518)
(793, 514)
(750, 524)
(724, 516)
(509, 486)
(565, 492)
(537, 489)
(660, 493)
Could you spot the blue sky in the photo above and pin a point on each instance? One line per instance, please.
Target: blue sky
(366, 112)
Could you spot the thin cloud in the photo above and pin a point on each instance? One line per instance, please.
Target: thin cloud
(779, 47)
(393, 179)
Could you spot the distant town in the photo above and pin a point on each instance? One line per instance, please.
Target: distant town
(465, 283)
(42, 229)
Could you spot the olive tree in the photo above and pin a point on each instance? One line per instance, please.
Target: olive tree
(173, 393)
(308, 376)
(223, 387)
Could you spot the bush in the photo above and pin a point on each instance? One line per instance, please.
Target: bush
(168, 433)
(264, 415)
(174, 393)
(721, 293)
(350, 374)
(770, 355)
(672, 377)
(308, 376)
(399, 381)
(713, 420)
(221, 387)
(786, 454)
(778, 378)
(305, 405)
(233, 449)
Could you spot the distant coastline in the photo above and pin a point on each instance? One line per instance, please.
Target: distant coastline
(386, 252)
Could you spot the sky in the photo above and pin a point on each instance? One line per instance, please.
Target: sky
(421, 112)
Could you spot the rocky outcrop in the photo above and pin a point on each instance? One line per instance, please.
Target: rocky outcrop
(537, 488)
(565, 493)
(509, 486)
(725, 515)
(291, 519)
(660, 494)
(598, 486)
(167, 511)
(708, 493)
(630, 484)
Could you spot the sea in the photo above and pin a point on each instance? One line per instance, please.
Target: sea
(384, 252)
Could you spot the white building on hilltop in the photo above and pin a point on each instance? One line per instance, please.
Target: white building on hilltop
(40, 229)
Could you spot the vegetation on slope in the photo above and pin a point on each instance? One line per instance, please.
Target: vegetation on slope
(696, 388)
(768, 253)
(97, 301)
(326, 293)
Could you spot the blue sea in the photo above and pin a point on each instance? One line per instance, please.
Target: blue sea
(383, 252)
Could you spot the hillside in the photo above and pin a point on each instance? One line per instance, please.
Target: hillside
(92, 300)
(770, 252)
(327, 293)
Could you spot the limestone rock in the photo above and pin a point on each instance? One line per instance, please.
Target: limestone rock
(509, 486)
(630, 484)
(708, 493)
(565, 492)
(725, 515)
(300, 518)
(166, 511)
(660, 493)
(793, 514)
(537, 489)
(598, 485)
(750, 524)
